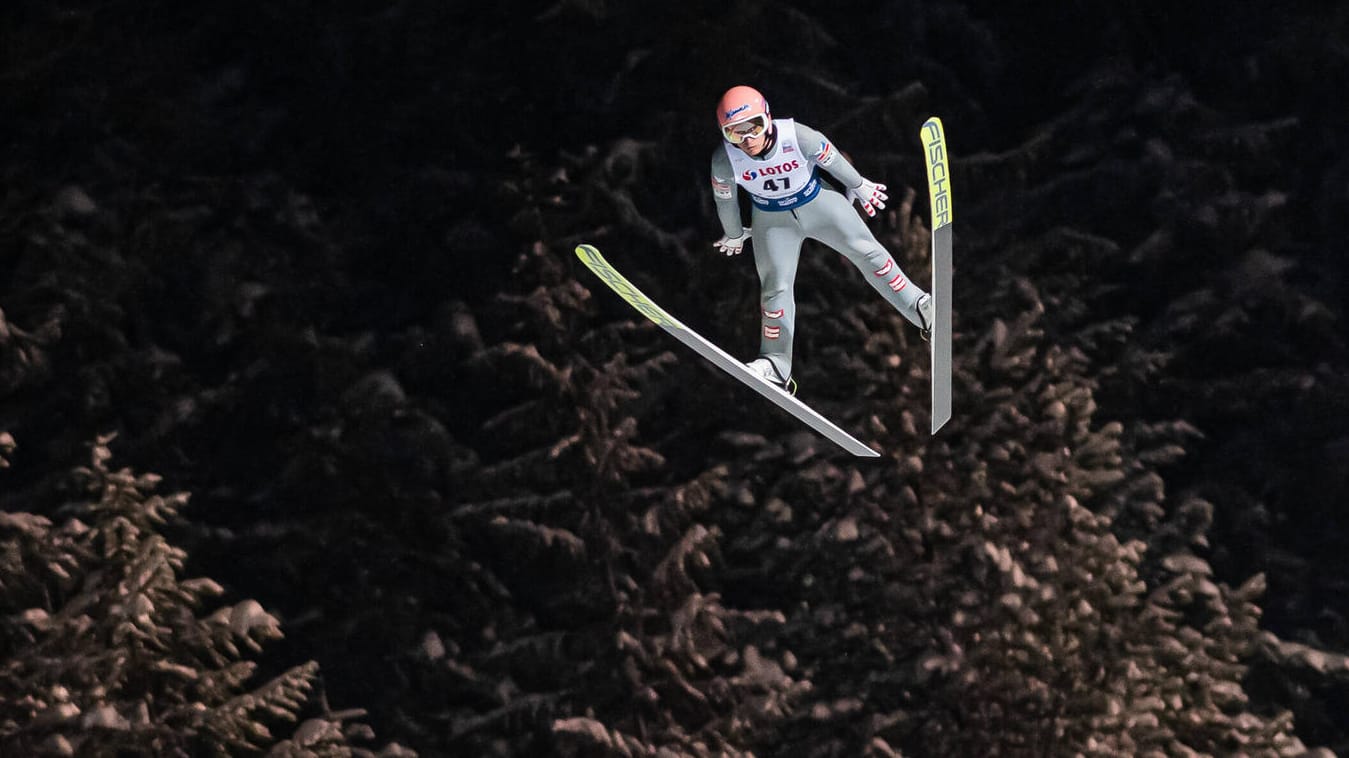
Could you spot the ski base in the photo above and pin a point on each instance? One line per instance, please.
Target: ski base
(943, 213)
(591, 257)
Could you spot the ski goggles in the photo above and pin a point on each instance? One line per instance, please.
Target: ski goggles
(743, 130)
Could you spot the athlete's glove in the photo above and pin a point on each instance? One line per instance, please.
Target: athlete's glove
(732, 245)
(870, 195)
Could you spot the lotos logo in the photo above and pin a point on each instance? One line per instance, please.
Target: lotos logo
(782, 168)
(734, 111)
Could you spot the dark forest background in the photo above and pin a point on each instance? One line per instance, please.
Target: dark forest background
(319, 440)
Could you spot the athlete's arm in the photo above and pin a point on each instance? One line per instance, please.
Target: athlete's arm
(823, 153)
(726, 194)
(870, 195)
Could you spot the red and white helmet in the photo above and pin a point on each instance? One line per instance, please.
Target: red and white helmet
(743, 112)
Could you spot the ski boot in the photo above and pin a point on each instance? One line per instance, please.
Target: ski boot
(925, 314)
(764, 369)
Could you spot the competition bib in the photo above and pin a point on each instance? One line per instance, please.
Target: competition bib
(783, 179)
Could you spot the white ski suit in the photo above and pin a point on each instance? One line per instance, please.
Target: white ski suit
(791, 203)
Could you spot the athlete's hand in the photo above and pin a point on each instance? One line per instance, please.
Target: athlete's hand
(870, 195)
(732, 245)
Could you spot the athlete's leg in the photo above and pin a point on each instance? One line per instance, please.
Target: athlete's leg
(777, 250)
(830, 218)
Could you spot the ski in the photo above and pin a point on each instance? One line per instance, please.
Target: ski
(943, 213)
(591, 257)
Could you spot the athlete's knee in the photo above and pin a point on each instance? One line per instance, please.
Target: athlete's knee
(876, 261)
(864, 251)
(877, 257)
(773, 291)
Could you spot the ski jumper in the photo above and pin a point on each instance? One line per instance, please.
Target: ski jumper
(790, 204)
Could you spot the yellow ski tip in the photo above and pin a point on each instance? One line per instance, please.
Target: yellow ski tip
(938, 172)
